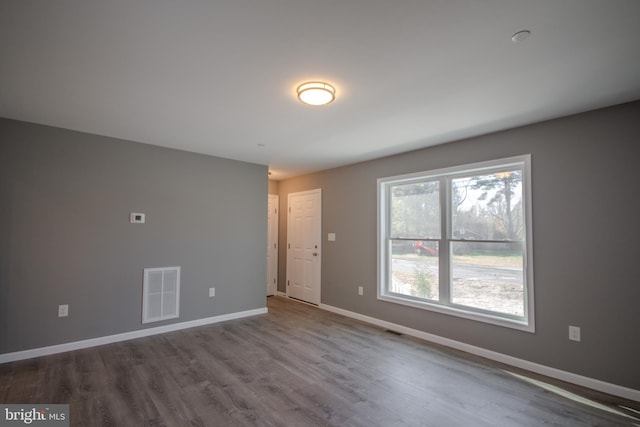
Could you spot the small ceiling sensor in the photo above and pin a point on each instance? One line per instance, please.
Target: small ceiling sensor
(520, 36)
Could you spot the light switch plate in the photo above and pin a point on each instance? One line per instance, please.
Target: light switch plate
(63, 310)
(574, 333)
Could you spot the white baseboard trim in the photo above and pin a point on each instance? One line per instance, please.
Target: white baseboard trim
(281, 294)
(93, 342)
(613, 389)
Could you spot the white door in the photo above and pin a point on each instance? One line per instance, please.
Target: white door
(272, 245)
(303, 247)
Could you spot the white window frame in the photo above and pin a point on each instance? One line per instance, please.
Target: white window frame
(524, 323)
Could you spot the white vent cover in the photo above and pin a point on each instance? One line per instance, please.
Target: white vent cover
(160, 294)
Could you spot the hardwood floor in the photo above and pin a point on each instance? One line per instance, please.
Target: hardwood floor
(296, 366)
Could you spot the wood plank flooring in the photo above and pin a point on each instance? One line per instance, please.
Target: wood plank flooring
(296, 366)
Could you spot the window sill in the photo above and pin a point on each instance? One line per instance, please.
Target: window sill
(521, 325)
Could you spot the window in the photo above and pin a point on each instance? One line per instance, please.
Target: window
(458, 241)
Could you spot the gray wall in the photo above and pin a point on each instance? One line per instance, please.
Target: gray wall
(65, 237)
(586, 231)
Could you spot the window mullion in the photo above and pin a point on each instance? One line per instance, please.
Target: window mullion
(444, 273)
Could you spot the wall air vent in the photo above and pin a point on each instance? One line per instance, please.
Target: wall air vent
(160, 294)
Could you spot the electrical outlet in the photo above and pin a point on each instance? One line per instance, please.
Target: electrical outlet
(63, 310)
(360, 290)
(574, 333)
(212, 292)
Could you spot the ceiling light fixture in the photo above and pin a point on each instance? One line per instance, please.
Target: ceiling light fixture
(520, 36)
(316, 93)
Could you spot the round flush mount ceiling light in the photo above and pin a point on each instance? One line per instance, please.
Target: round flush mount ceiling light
(316, 93)
(520, 36)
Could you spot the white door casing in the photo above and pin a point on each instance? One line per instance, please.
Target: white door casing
(304, 251)
(272, 244)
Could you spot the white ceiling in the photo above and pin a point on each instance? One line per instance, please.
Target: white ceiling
(219, 77)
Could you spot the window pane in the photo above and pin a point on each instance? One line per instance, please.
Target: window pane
(488, 276)
(415, 210)
(413, 273)
(488, 207)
